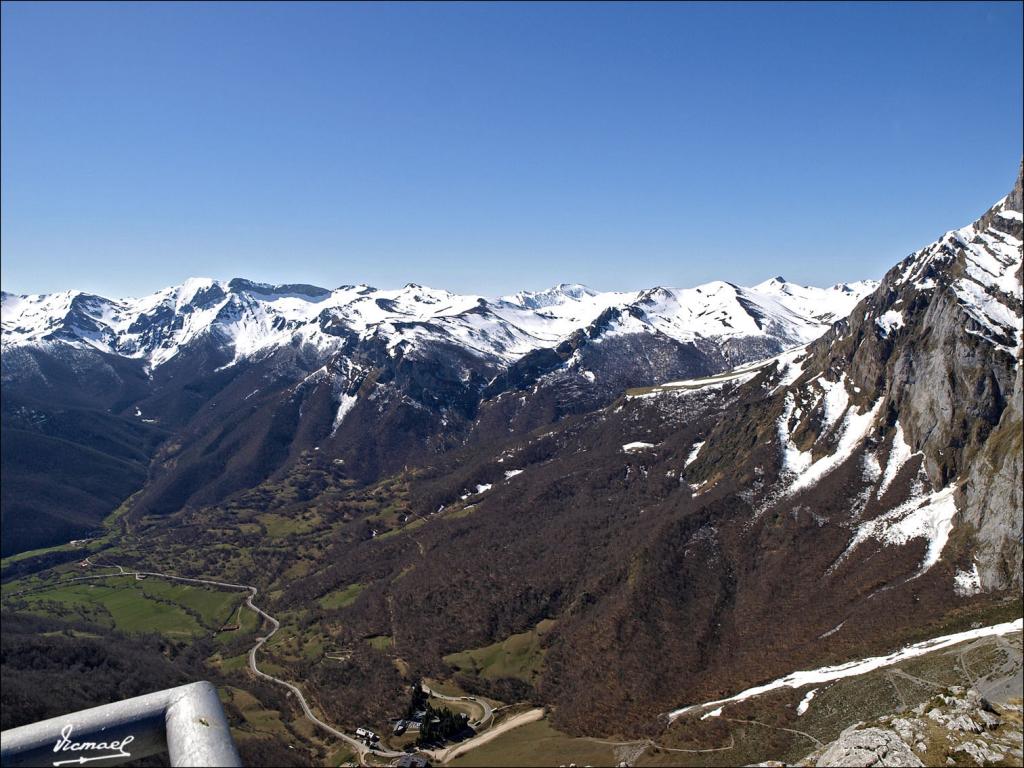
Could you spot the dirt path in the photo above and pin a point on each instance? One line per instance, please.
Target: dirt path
(966, 667)
(648, 744)
(891, 679)
(776, 727)
(897, 672)
(450, 753)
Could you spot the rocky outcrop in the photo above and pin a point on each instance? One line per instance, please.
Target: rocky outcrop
(867, 747)
(956, 727)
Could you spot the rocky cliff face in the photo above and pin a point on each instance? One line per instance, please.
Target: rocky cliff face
(992, 500)
(939, 343)
(920, 385)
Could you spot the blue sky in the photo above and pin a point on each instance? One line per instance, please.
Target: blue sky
(487, 148)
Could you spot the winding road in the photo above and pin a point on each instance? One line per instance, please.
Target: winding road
(361, 749)
(488, 710)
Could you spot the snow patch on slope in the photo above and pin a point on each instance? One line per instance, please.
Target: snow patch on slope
(636, 446)
(890, 321)
(855, 668)
(967, 583)
(899, 454)
(929, 517)
(694, 453)
(805, 702)
(345, 404)
(794, 461)
(853, 428)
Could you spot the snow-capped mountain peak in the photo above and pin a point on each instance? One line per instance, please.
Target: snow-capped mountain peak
(981, 264)
(559, 294)
(823, 304)
(251, 317)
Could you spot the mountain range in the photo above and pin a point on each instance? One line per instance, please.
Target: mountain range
(252, 319)
(609, 504)
(431, 358)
